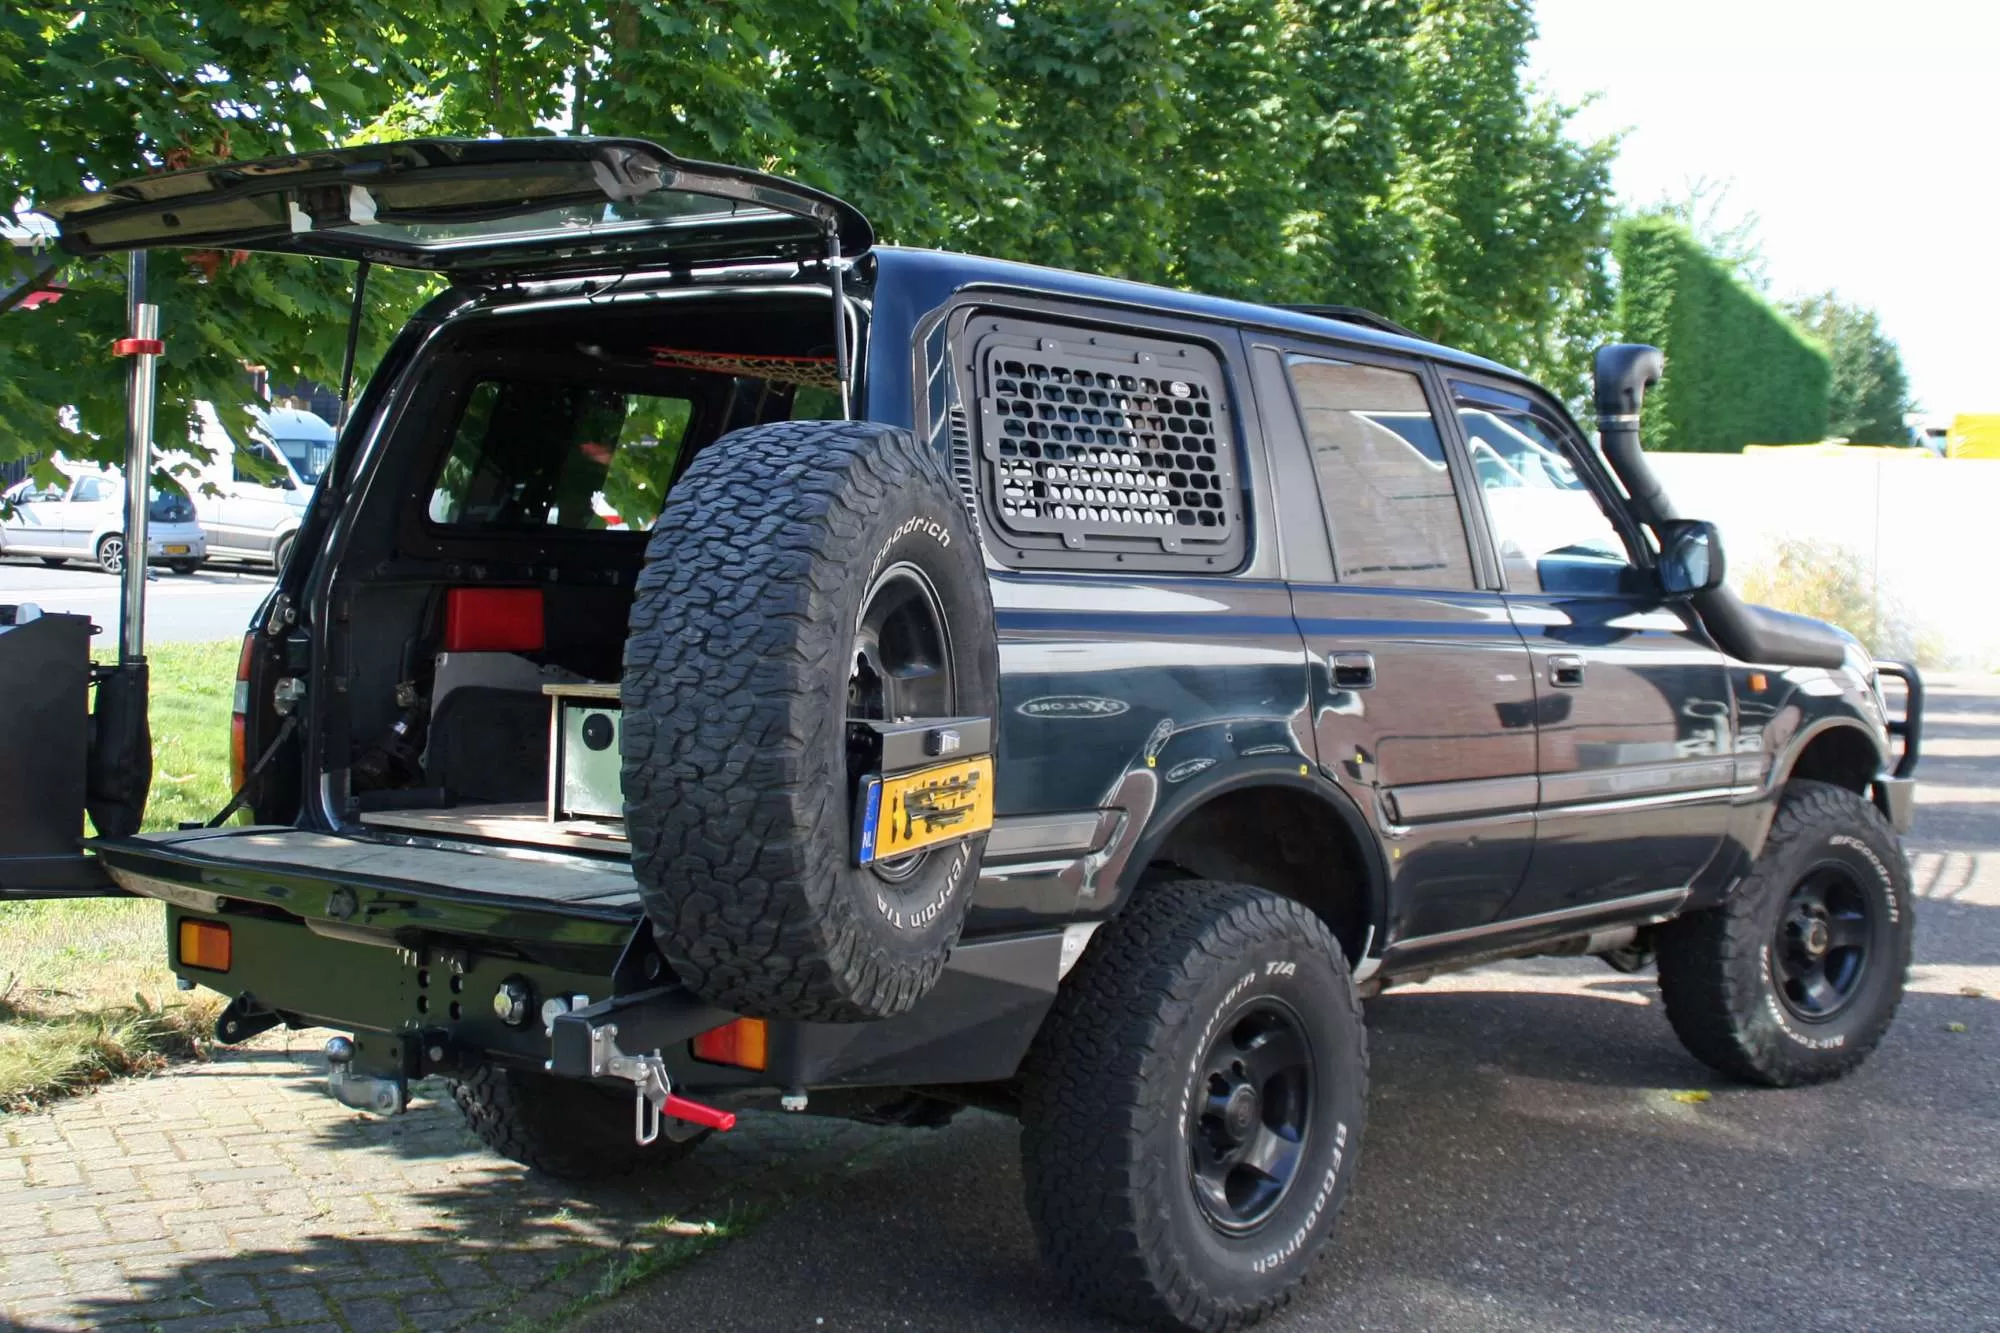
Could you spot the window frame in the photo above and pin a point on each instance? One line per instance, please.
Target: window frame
(1480, 550)
(1583, 457)
(954, 376)
(443, 434)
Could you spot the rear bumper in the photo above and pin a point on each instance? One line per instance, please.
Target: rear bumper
(174, 544)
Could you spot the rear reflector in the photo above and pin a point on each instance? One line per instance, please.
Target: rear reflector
(741, 1043)
(493, 620)
(204, 944)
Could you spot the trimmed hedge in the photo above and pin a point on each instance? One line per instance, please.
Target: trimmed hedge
(1738, 371)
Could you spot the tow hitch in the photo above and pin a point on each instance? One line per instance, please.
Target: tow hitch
(654, 1100)
(364, 1092)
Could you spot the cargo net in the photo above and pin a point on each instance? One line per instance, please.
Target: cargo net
(1081, 448)
(817, 372)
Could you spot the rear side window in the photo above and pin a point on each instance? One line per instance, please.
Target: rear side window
(531, 453)
(1391, 507)
(90, 490)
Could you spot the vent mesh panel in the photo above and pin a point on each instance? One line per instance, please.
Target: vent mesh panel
(1125, 454)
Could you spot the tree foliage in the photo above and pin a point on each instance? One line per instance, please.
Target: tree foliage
(1738, 371)
(1868, 393)
(1385, 153)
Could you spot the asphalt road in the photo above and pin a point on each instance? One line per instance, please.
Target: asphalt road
(1533, 1160)
(215, 602)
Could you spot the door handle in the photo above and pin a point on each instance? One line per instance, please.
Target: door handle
(1565, 670)
(1353, 671)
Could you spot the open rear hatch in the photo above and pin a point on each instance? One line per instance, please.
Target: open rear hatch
(474, 207)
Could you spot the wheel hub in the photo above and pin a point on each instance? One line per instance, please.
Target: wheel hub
(1241, 1113)
(1247, 1128)
(1812, 935)
(1822, 946)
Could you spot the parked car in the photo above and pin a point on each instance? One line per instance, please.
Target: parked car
(251, 495)
(1126, 685)
(82, 517)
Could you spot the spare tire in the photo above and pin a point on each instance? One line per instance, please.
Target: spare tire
(801, 573)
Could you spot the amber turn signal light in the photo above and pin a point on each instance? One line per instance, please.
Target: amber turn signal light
(204, 944)
(741, 1043)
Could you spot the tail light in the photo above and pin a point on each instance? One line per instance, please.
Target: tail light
(204, 944)
(239, 716)
(742, 1043)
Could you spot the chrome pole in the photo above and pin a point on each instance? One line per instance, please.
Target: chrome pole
(144, 346)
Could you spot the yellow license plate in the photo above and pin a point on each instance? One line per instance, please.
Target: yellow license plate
(912, 811)
(177, 550)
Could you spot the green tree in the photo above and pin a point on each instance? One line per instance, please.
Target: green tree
(1510, 217)
(1868, 393)
(1384, 153)
(99, 93)
(1738, 371)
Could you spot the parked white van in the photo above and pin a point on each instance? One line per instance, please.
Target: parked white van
(252, 496)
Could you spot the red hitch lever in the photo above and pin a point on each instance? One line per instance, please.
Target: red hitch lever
(695, 1113)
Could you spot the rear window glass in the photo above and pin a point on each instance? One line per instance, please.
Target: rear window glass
(551, 454)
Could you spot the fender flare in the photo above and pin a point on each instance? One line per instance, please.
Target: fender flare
(1763, 811)
(1788, 758)
(1338, 803)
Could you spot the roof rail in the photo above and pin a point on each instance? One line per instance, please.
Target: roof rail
(1354, 314)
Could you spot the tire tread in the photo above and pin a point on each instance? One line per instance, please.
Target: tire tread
(1706, 958)
(1084, 1100)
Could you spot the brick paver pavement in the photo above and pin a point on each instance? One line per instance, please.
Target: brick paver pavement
(237, 1194)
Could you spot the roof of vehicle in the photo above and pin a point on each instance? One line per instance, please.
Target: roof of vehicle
(292, 423)
(927, 278)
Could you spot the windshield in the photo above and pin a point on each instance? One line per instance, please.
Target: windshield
(308, 457)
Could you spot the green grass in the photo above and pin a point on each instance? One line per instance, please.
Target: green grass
(192, 685)
(85, 993)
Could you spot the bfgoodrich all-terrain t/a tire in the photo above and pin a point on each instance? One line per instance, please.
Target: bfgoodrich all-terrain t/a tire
(1192, 1108)
(1796, 976)
(802, 573)
(558, 1126)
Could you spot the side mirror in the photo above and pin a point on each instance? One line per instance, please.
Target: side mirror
(1690, 557)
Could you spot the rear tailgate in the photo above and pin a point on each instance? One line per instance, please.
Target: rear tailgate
(383, 887)
(386, 936)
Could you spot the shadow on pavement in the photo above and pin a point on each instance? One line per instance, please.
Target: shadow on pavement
(1528, 1165)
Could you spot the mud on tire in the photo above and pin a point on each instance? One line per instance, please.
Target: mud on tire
(740, 672)
(1129, 1118)
(559, 1126)
(1796, 976)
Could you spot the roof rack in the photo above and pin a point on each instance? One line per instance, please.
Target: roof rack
(1354, 314)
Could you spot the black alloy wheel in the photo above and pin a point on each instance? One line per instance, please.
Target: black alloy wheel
(1820, 957)
(1247, 1133)
(1191, 1110)
(902, 650)
(902, 669)
(1797, 973)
